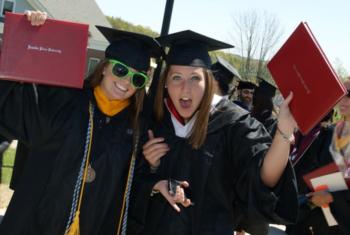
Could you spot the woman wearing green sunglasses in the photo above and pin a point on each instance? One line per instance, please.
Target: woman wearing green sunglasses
(81, 142)
(122, 71)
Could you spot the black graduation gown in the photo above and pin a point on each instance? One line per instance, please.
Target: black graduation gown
(4, 144)
(53, 122)
(311, 219)
(268, 120)
(340, 208)
(223, 174)
(241, 104)
(22, 152)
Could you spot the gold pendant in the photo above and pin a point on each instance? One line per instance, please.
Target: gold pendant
(90, 175)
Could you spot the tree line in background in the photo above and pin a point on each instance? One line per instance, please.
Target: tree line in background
(255, 35)
(118, 23)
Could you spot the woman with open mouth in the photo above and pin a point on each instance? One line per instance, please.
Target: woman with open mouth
(204, 157)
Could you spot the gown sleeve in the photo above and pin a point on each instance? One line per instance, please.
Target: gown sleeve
(250, 142)
(32, 113)
(4, 144)
(340, 208)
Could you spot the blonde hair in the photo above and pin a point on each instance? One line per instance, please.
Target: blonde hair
(199, 130)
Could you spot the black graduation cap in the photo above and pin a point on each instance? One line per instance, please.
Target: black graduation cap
(223, 65)
(266, 87)
(133, 49)
(190, 48)
(246, 85)
(224, 73)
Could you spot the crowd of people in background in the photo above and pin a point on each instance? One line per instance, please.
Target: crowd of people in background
(211, 158)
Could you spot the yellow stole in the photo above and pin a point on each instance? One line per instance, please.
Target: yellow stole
(109, 107)
(341, 140)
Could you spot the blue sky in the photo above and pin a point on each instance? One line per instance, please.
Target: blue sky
(328, 19)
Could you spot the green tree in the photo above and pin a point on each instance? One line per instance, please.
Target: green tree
(121, 24)
(340, 69)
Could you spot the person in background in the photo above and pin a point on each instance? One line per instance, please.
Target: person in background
(204, 157)
(310, 152)
(263, 111)
(82, 143)
(340, 150)
(224, 74)
(263, 107)
(245, 95)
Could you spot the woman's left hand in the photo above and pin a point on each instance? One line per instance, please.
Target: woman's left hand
(321, 198)
(286, 121)
(178, 197)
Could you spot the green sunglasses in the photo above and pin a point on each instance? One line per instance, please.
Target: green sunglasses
(137, 79)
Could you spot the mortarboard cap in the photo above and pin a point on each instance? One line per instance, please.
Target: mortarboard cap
(133, 49)
(225, 66)
(190, 48)
(266, 87)
(224, 74)
(246, 85)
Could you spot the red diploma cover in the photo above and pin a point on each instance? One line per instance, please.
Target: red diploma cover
(301, 66)
(52, 54)
(322, 171)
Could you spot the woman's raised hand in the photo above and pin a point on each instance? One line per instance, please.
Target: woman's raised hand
(286, 121)
(36, 18)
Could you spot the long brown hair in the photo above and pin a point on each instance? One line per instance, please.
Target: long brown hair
(199, 130)
(136, 101)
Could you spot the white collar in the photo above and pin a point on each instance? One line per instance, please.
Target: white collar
(181, 130)
(216, 99)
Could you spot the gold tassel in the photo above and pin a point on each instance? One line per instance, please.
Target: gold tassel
(74, 227)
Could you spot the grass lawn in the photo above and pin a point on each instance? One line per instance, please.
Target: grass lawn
(7, 164)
